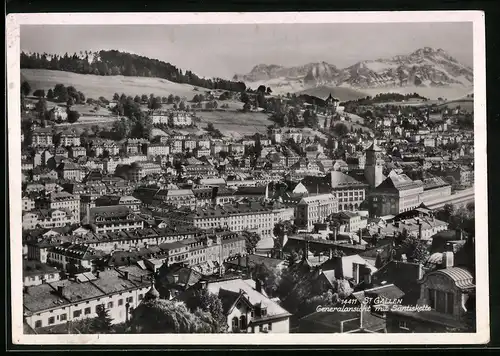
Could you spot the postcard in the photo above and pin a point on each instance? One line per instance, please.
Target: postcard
(238, 178)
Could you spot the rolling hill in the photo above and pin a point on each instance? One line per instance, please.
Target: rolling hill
(94, 86)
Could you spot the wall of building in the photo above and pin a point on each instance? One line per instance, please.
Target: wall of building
(117, 312)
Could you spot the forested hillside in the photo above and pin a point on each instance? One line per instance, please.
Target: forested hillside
(121, 63)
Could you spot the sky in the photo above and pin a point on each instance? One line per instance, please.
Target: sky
(225, 50)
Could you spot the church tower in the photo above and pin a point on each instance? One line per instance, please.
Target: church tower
(373, 166)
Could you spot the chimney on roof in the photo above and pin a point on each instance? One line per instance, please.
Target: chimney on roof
(419, 229)
(60, 290)
(176, 278)
(126, 275)
(448, 257)
(97, 273)
(334, 234)
(258, 285)
(203, 284)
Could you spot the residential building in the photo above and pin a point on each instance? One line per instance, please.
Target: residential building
(247, 308)
(158, 149)
(69, 139)
(36, 273)
(48, 218)
(113, 219)
(69, 171)
(60, 302)
(142, 169)
(180, 119)
(73, 258)
(349, 221)
(41, 137)
(77, 151)
(448, 298)
(61, 200)
(316, 208)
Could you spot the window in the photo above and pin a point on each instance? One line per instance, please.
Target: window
(441, 301)
(270, 326)
(141, 296)
(38, 324)
(403, 325)
(130, 299)
(51, 320)
(261, 328)
(234, 324)
(77, 313)
(87, 311)
(110, 305)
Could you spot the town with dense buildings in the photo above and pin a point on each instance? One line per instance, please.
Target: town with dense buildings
(339, 203)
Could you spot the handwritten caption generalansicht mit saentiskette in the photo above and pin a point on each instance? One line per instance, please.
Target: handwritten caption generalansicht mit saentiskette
(380, 304)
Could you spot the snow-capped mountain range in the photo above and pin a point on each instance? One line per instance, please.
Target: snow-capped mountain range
(425, 67)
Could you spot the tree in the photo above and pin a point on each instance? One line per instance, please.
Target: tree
(164, 99)
(244, 98)
(344, 289)
(70, 102)
(415, 249)
(341, 129)
(281, 229)
(182, 106)
(41, 108)
(25, 88)
(177, 99)
(137, 99)
(293, 258)
(269, 91)
(103, 322)
(73, 116)
(270, 277)
(170, 99)
(208, 302)
(154, 103)
(122, 128)
(50, 94)
(165, 316)
(210, 127)
(39, 93)
(251, 240)
(116, 96)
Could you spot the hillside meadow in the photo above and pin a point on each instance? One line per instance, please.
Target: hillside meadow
(95, 86)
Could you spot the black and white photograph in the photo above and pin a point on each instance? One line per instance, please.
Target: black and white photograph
(320, 174)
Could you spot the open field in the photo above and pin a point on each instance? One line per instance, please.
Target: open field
(94, 86)
(465, 104)
(235, 123)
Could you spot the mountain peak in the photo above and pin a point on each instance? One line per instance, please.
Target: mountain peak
(424, 67)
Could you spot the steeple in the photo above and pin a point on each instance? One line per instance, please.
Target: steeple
(152, 293)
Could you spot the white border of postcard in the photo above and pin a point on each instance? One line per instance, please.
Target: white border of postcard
(14, 133)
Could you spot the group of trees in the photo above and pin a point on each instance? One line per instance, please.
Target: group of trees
(121, 63)
(297, 288)
(461, 218)
(62, 94)
(251, 240)
(166, 316)
(135, 123)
